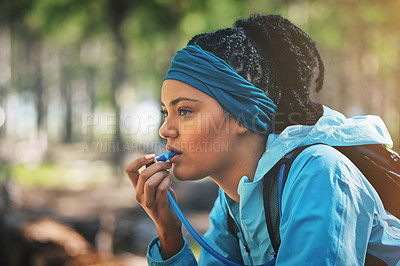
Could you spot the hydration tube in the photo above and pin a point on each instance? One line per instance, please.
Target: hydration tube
(193, 232)
(203, 243)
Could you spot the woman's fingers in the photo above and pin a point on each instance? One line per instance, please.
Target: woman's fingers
(148, 182)
(149, 172)
(152, 187)
(163, 188)
(133, 169)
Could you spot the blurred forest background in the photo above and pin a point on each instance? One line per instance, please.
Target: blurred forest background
(79, 99)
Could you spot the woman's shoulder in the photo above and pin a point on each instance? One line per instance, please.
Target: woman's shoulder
(322, 156)
(323, 174)
(325, 166)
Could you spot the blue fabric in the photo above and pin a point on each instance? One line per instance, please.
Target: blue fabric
(213, 76)
(184, 257)
(331, 215)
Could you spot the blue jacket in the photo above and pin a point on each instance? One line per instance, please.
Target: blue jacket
(331, 215)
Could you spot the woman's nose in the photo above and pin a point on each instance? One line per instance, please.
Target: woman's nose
(167, 130)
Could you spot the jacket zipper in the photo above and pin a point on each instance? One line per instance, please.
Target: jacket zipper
(245, 245)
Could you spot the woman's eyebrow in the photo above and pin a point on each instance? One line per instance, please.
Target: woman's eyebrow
(177, 100)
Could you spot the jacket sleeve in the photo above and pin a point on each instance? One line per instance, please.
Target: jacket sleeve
(183, 257)
(217, 236)
(327, 211)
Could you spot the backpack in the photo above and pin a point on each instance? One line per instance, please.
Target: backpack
(380, 165)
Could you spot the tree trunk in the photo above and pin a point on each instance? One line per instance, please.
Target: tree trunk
(38, 87)
(5, 78)
(118, 10)
(67, 98)
(90, 90)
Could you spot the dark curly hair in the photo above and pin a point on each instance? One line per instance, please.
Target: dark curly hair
(276, 56)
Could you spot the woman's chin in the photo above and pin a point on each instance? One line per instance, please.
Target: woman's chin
(184, 175)
(180, 175)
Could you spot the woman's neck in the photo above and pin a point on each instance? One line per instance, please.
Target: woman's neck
(243, 162)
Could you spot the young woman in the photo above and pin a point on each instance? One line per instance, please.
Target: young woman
(235, 101)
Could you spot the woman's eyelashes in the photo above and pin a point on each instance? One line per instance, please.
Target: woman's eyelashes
(164, 113)
(181, 111)
(184, 111)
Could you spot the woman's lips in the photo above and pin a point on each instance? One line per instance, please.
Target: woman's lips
(176, 158)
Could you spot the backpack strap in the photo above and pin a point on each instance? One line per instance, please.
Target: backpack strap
(273, 184)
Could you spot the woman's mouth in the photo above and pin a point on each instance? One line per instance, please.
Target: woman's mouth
(175, 159)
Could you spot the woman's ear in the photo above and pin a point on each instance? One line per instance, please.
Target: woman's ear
(239, 128)
(236, 126)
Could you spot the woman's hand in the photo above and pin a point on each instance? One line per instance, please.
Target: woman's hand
(151, 186)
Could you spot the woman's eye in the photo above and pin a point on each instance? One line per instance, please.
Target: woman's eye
(184, 111)
(164, 113)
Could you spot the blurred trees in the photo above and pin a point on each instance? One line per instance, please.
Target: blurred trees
(75, 71)
(65, 61)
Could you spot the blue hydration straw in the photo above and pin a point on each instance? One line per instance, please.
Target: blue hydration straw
(164, 157)
(189, 227)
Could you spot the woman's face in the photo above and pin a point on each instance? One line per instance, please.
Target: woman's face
(197, 126)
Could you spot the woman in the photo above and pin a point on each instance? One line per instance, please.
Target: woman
(246, 89)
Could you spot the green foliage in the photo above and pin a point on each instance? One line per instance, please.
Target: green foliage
(5, 171)
(373, 13)
(45, 175)
(67, 21)
(153, 30)
(103, 96)
(75, 175)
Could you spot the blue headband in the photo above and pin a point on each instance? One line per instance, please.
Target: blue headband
(213, 76)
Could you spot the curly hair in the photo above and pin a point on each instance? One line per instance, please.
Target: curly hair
(276, 56)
